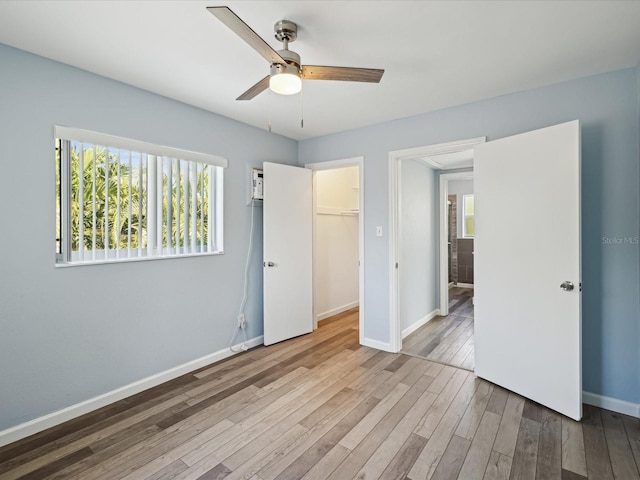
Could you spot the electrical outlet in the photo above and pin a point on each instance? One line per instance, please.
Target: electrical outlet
(242, 322)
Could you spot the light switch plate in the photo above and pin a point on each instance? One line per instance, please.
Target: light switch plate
(379, 231)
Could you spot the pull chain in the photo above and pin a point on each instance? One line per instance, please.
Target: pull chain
(302, 108)
(269, 114)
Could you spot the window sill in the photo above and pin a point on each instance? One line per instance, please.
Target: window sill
(139, 259)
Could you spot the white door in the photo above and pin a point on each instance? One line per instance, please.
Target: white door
(288, 258)
(527, 257)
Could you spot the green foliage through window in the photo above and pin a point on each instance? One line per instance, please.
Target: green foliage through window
(124, 203)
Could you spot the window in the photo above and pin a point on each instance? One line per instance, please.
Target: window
(120, 199)
(468, 225)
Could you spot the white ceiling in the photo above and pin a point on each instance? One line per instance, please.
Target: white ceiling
(436, 54)
(449, 161)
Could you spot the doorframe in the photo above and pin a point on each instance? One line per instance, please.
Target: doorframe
(443, 282)
(333, 165)
(395, 157)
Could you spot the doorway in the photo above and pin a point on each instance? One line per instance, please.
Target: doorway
(442, 158)
(449, 338)
(338, 280)
(522, 297)
(457, 225)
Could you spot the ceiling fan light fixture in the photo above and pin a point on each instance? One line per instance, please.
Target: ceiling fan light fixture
(285, 84)
(285, 79)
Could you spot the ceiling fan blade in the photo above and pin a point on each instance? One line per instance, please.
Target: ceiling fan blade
(246, 33)
(346, 74)
(258, 88)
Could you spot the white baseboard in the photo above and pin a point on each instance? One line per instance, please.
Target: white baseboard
(416, 325)
(39, 424)
(613, 404)
(369, 342)
(464, 285)
(337, 310)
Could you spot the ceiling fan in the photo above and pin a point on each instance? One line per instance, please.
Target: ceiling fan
(287, 72)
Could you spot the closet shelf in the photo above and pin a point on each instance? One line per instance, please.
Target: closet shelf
(336, 212)
(341, 214)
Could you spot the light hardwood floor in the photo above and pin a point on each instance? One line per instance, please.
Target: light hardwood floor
(449, 339)
(323, 407)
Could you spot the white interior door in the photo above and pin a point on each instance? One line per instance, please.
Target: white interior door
(288, 255)
(527, 327)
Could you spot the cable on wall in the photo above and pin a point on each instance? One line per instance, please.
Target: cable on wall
(242, 323)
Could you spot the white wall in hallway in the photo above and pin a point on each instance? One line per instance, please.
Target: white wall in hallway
(418, 243)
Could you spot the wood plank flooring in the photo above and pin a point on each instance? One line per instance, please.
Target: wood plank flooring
(449, 339)
(323, 407)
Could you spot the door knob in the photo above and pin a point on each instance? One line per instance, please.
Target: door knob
(566, 286)
(269, 264)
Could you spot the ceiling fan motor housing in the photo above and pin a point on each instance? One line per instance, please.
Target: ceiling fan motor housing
(277, 69)
(291, 57)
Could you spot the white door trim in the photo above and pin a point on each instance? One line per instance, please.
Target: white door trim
(395, 157)
(331, 165)
(443, 282)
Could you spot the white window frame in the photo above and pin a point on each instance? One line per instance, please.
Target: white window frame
(151, 157)
(465, 215)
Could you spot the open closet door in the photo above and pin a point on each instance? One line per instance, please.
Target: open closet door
(288, 252)
(527, 266)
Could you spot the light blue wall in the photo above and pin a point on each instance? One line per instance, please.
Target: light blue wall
(607, 106)
(418, 242)
(69, 334)
(638, 133)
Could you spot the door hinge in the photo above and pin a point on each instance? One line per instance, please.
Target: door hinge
(396, 264)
